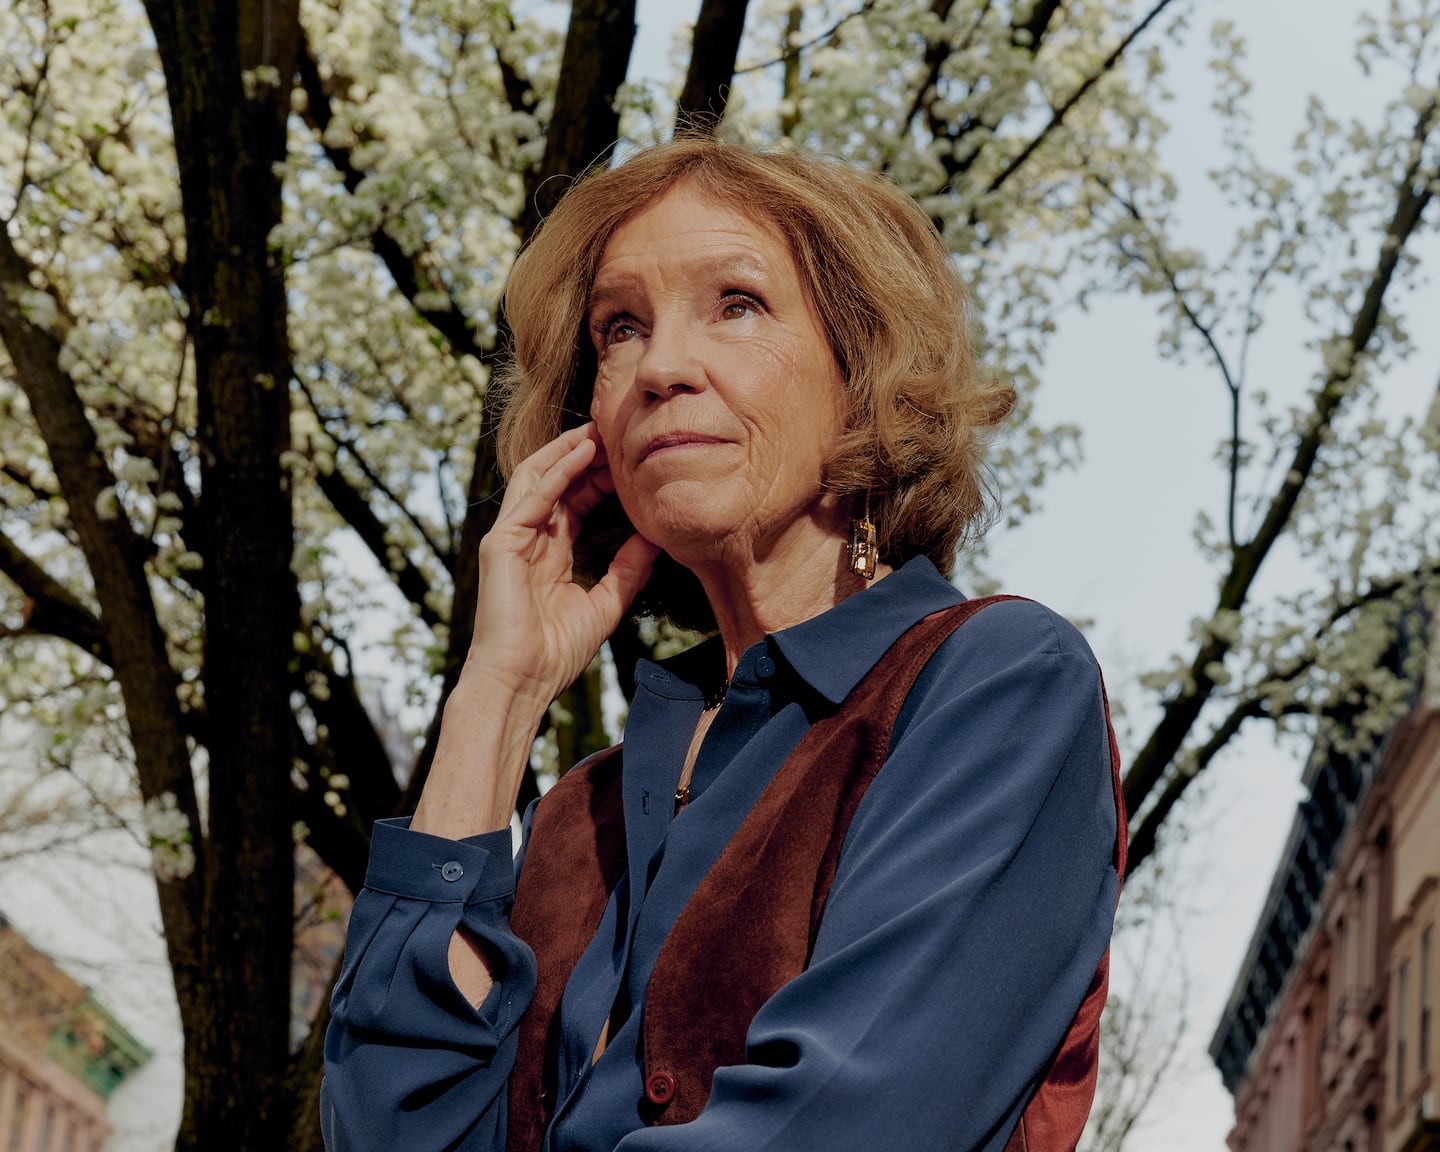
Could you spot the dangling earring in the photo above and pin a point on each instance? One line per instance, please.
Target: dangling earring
(863, 549)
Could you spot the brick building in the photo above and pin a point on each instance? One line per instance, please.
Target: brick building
(1328, 1041)
(61, 1054)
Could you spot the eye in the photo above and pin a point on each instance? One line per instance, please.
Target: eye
(616, 329)
(735, 305)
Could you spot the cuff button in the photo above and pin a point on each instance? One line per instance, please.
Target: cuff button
(451, 870)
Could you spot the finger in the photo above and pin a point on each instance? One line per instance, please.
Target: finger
(534, 505)
(624, 579)
(544, 458)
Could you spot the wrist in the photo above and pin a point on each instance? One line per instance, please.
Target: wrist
(486, 734)
(489, 682)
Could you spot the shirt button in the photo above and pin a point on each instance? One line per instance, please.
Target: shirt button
(451, 870)
(660, 1087)
(764, 667)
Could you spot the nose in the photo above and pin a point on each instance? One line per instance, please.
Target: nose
(670, 364)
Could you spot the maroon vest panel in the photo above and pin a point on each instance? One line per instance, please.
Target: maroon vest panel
(747, 938)
(575, 857)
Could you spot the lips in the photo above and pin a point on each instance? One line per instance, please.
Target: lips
(673, 440)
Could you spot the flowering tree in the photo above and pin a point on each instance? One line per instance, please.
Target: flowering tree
(1345, 489)
(250, 285)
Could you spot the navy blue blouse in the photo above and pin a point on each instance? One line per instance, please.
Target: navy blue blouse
(970, 907)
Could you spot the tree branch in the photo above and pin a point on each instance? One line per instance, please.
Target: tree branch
(518, 93)
(714, 46)
(790, 82)
(792, 53)
(356, 512)
(18, 474)
(1025, 35)
(1144, 837)
(1414, 192)
(1057, 116)
(409, 273)
(51, 609)
(354, 508)
(936, 53)
(353, 743)
(1041, 13)
(1233, 383)
(585, 121)
(116, 558)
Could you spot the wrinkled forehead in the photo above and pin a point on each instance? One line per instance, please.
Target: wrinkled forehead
(730, 208)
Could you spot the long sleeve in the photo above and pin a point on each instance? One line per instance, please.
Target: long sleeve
(972, 903)
(409, 1063)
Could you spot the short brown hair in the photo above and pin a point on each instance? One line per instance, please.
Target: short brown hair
(879, 276)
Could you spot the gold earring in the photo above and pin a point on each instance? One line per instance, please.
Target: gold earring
(863, 549)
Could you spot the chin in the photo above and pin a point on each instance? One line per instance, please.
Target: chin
(692, 540)
(682, 518)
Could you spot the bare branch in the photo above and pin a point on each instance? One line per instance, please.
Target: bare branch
(1233, 383)
(798, 50)
(51, 609)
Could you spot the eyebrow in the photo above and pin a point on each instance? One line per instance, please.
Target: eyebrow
(720, 267)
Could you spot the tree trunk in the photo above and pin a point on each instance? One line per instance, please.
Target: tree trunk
(227, 69)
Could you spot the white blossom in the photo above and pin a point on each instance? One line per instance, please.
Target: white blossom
(171, 847)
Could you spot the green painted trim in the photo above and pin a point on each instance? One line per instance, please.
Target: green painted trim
(95, 1047)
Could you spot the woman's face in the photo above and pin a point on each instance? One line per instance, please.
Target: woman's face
(717, 396)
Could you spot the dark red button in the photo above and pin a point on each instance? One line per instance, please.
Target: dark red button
(660, 1088)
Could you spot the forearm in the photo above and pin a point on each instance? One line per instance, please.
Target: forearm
(485, 740)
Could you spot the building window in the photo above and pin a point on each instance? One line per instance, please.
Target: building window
(1422, 1042)
(1402, 1010)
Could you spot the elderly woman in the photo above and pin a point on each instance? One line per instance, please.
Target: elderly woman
(853, 886)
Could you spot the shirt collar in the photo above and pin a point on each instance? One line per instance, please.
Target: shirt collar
(833, 651)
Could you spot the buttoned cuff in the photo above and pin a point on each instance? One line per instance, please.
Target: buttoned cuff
(419, 866)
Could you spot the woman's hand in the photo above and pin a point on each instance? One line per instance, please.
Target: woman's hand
(535, 629)
(535, 632)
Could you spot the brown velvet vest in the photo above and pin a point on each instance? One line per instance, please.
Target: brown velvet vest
(747, 939)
